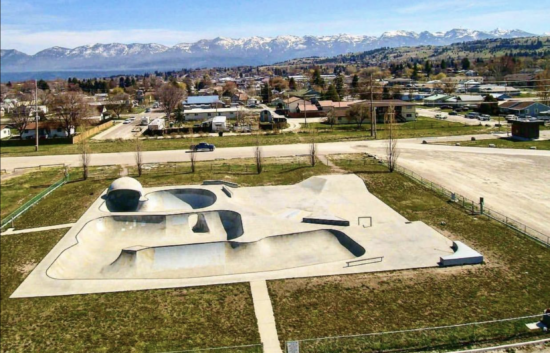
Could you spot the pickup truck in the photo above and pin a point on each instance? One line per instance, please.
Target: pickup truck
(203, 146)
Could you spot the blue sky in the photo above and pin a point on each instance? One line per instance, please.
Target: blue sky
(30, 26)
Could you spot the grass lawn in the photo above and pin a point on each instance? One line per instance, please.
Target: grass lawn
(67, 203)
(139, 321)
(423, 127)
(513, 282)
(16, 191)
(505, 143)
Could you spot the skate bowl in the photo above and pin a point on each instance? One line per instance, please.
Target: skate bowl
(166, 200)
(220, 258)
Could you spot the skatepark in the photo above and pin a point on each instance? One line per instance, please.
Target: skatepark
(134, 238)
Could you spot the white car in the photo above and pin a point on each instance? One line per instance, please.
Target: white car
(127, 121)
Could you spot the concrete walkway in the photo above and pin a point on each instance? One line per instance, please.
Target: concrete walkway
(265, 317)
(11, 231)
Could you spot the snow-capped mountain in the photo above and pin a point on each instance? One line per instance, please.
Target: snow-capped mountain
(224, 51)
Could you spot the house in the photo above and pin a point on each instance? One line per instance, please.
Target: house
(500, 97)
(523, 108)
(5, 131)
(436, 99)
(306, 93)
(404, 111)
(486, 89)
(269, 117)
(465, 100)
(252, 102)
(203, 114)
(202, 102)
(46, 130)
(239, 97)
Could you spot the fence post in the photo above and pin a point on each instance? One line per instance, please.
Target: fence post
(481, 203)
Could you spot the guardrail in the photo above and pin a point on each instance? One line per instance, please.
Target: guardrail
(23, 208)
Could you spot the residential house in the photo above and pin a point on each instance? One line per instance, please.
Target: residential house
(436, 99)
(46, 130)
(486, 89)
(5, 131)
(306, 93)
(404, 111)
(203, 114)
(523, 108)
(194, 102)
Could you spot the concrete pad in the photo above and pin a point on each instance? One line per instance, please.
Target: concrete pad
(183, 239)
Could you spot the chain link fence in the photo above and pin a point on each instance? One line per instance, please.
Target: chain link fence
(440, 338)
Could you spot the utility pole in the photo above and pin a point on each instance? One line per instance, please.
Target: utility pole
(372, 115)
(36, 114)
(305, 113)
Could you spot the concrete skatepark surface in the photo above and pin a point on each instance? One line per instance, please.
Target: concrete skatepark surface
(199, 235)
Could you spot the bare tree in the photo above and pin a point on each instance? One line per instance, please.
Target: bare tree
(331, 117)
(543, 86)
(359, 113)
(118, 103)
(85, 157)
(258, 155)
(138, 154)
(449, 86)
(69, 108)
(392, 152)
(313, 151)
(20, 117)
(170, 95)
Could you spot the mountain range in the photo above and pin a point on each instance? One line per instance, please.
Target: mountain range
(225, 52)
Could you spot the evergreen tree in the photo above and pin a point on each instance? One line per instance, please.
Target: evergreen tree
(43, 85)
(428, 68)
(443, 64)
(292, 84)
(332, 93)
(355, 83)
(465, 64)
(339, 85)
(414, 74)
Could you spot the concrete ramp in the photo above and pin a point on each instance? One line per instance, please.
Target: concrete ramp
(232, 257)
(185, 199)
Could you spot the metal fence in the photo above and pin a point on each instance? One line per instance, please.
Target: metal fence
(221, 166)
(474, 207)
(23, 208)
(438, 338)
(249, 348)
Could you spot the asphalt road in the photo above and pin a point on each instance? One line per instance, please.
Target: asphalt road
(512, 181)
(124, 131)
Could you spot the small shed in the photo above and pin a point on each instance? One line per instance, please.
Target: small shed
(526, 129)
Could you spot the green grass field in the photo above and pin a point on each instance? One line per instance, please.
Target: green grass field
(141, 321)
(16, 191)
(138, 321)
(513, 282)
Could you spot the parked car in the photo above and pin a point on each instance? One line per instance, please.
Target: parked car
(484, 117)
(454, 112)
(511, 117)
(203, 146)
(446, 107)
(127, 121)
(472, 115)
(148, 110)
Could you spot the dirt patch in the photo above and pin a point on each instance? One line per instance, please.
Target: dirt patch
(26, 268)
